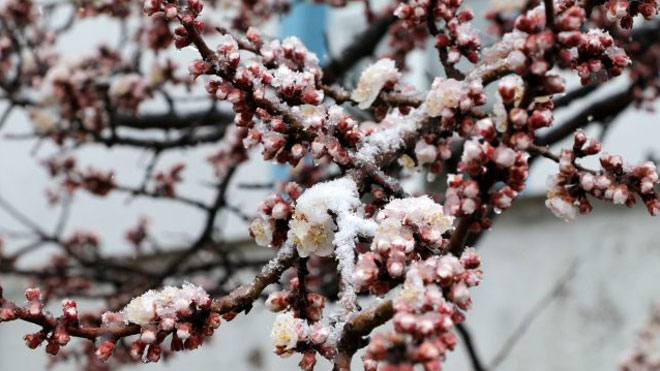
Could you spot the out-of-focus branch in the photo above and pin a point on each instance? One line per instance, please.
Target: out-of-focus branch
(362, 46)
(475, 360)
(596, 112)
(557, 290)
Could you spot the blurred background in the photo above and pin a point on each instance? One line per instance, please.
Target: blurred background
(555, 295)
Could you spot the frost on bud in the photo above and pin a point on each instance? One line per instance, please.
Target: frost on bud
(214, 320)
(504, 156)
(165, 303)
(152, 6)
(34, 306)
(183, 330)
(34, 340)
(104, 351)
(448, 95)
(137, 349)
(373, 79)
(70, 309)
(277, 301)
(153, 354)
(318, 333)
(308, 361)
(7, 314)
(171, 11)
(61, 336)
(148, 335)
(561, 204)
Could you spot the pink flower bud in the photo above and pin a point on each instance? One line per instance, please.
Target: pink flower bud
(70, 309)
(153, 354)
(52, 347)
(308, 361)
(319, 333)
(34, 340)
(104, 351)
(277, 301)
(214, 320)
(404, 322)
(171, 11)
(137, 349)
(61, 336)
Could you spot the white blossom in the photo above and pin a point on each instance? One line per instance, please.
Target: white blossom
(419, 211)
(372, 81)
(561, 207)
(287, 331)
(445, 94)
(165, 302)
(312, 228)
(262, 231)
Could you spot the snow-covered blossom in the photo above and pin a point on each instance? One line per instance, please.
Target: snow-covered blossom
(422, 212)
(165, 302)
(287, 331)
(561, 207)
(447, 95)
(312, 229)
(373, 79)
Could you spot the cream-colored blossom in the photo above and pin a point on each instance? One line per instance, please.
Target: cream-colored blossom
(166, 302)
(372, 81)
(287, 331)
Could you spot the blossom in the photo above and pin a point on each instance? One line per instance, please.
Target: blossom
(448, 95)
(262, 231)
(312, 228)
(287, 331)
(419, 211)
(166, 302)
(561, 207)
(372, 81)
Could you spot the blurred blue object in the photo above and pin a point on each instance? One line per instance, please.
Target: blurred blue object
(307, 21)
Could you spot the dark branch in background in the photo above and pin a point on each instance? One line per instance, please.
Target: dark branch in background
(477, 364)
(557, 290)
(575, 94)
(596, 112)
(363, 46)
(450, 69)
(168, 121)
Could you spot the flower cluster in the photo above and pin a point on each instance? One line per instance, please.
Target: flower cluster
(434, 295)
(623, 11)
(433, 150)
(72, 178)
(183, 312)
(449, 97)
(165, 181)
(271, 226)
(299, 322)
(615, 182)
(404, 225)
